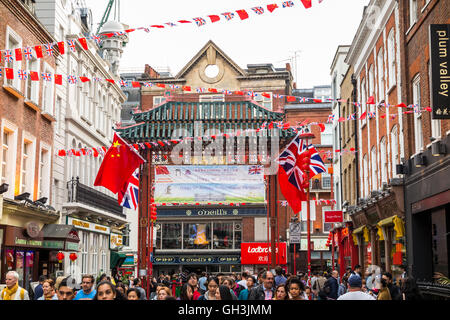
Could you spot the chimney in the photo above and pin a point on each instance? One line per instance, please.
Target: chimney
(151, 72)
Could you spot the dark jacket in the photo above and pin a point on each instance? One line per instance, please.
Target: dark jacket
(257, 293)
(38, 292)
(395, 292)
(334, 288)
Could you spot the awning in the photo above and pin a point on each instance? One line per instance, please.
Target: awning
(117, 259)
(358, 230)
(386, 221)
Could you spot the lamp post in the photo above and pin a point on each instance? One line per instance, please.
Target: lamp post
(307, 139)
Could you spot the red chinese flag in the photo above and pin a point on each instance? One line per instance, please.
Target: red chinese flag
(110, 81)
(61, 47)
(18, 54)
(363, 116)
(161, 85)
(62, 153)
(291, 99)
(186, 88)
(402, 105)
(130, 30)
(307, 3)
(58, 79)
(242, 14)
(272, 7)
(83, 43)
(241, 93)
(157, 26)
(38, 50)
(34, 76)
(161, 170)
(184, 21)
(118, 165)
(9, 73)
(292, 194)
(84, 79)
(371, 100)
(317, 100)
(266, 95)
(135, 84)
(341, 119)
(270, 125)
(212, 90)
(214, 18)
(96, 154)
(148, 145)
(322, 127)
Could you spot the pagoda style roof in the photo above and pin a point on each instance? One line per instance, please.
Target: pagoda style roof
(221, 117)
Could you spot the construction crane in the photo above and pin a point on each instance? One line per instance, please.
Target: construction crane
(111, 4)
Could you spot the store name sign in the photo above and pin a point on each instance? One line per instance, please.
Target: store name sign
(116, 241)
(333, 216)
(261, 253)
(196, 260)
(212, 212)
(440, 75)
(24, 242)
(80, 224)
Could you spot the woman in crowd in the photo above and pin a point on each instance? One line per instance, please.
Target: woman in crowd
(229, 282)
(281, 293)
(133, 294)
(296, 289)
(105, 291)
(187, 292)
(48, 286)
(223, 293)
(120, 287)
(384, 293)
(243, 295)
(212, 283)
(163, 293)
(410, 290)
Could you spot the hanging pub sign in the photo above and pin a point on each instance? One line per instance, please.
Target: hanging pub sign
(333, 216)
(440, 75)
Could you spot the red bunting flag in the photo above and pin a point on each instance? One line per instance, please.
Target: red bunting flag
(110, 81)
(214, 18)
(38, 50)
(135, 84)
(62, 153)
(9, 73)
(61, 47)
(242, 14)
(212, 90)
(148, 145)
(18, 54)
(161, 85)
(363, 116)
(317, 100)
(184, 21)
(34, 76)
(290, 99)
(83, 43)
(186, 88)
(84, 79)
(371, 100)
(96, 154)
(307, 3)
(402, 105)
(341, 119)
(272, 7)
(266, 95)
(58, 79)
(322, 127)
(83, 151)
(157, 26)
(239, 93)
(130, 30)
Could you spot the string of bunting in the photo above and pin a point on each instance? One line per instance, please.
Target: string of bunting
(38, 51)
(169, 204)
(284, 203)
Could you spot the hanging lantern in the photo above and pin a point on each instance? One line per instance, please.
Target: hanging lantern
(60, 257)
(73, 257)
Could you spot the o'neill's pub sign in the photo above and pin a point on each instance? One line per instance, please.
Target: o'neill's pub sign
(440, 75)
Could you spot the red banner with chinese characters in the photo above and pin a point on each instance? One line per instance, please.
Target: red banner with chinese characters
(260, 253)
(333, 216)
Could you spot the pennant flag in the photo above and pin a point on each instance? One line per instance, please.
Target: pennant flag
(46, 76)
(242, 14)
(161, 85)
(214, 18)
(34, 76)
(110, 81)
(18, 52)
(22, 74)
(199, 21)
(135, 84)
(118, 165)
(363, 116)
(184, 21)
(8, 56)
(258, 10)
(186, 88)
(83, 43)
(307, 3)
(228, 15)
(128, 197)
(49, 48)
(291, 99)
(28, 53)
(58, 79)
(272, 7)
(288, 4)
(38, 50)
(61, 47)
(371, 100)
(71, 44)
(84, 79)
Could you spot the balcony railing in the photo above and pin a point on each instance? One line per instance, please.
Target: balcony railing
(78, 192)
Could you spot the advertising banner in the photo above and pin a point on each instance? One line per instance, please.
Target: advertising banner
(209, 184)
(260, 253)
(333, 216)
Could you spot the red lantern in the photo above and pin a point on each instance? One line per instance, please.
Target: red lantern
(73, 256)
(60, 257)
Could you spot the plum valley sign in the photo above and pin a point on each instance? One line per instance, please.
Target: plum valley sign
(440, 75)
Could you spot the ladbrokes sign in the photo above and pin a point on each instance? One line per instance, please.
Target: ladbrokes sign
(260, 253)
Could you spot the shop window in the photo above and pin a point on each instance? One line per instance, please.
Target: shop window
(197, 236)
(223, 236)
(171, 236)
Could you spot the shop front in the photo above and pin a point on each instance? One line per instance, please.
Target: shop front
(346, 247)
(321, 257)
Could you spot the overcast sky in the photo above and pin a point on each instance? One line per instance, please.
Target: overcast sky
(268, 38)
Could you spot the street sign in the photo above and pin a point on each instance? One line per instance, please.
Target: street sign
(333, 216)
(295, 230)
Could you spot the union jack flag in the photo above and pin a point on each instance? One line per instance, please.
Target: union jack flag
(264, 125)
(288, 160)
(172, 86)
(96, 39)
(8, 56)
(22, 74)
(275, 95)
(200, 90)
(372, 114)
(96, 79)
(1, 72)
(288, 4)
(254, 170)
(170, 24)
(250, 93)
(199, 21)
(224, 91)
(120, 33)
(129, 197)
(147, 30)
(28, 53)
(228, 15)
(302, 99)
(351, 117)
(330, 118)
(123, 83)
(72, 79)
(317, 166)
(49, 48)
(258, 10)
(148, 84)
(46, 76)
(279, 124)
(71, 44)
(416, 108)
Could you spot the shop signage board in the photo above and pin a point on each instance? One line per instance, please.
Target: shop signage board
(210, 184)
(115, 241)
(440, 75)
(71, 246)
(212, 212)
(295, 231)
(333, 216)
(260, 253)
(196, 260)
(317, 244)
(85, 225)
(31, 243)
(53, 244)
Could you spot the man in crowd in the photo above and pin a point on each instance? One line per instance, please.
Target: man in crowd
(64, 291)
(264, 291)
(38, 292)
(354, 292)
(357, 270)
(279, 279)
(88, 292)
(138, 285)
(333, 285)
(393, 289)
(12, 291)
(243, 281)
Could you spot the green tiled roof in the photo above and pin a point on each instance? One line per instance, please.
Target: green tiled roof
(159, 123)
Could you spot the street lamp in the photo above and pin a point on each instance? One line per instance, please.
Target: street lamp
(307, 138)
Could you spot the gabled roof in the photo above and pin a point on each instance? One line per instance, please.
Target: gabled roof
(198, 56)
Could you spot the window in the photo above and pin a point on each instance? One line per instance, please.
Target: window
(84, 252)
(94, 253)
(418, 138)
(158, 100)
(5, 155)
(171, 236)
(32, 87)
(103, 252)
(394, 151)
(373, 159)
(391, 58)
(380, 65)
(326, 226)
(326, 178)
(223, 236)
(363, 99)
(304, 226)
(383, 161)
(211, 98)
(47, 91)
(27, 171)
(326, 137)
(366, 176)
(44, 173)
(264, 101)
(13, 42)
(58, 117)
(413, 12)
(371, 85)
(8, 157)
(197, 236)
(304, 214)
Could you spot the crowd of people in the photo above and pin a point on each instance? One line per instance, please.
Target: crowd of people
(266, 285)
